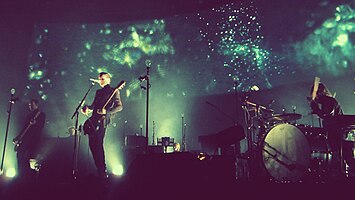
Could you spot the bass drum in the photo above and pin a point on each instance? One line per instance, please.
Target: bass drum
(287, 153)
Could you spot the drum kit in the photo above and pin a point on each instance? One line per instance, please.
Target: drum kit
(282, 150)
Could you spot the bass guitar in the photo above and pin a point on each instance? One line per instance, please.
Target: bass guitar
(91, 125)
(18, 139)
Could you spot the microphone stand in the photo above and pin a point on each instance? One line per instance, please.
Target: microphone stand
(147, 78)
(147, 107)
(76, 138)
(7, 131)
(183, 134)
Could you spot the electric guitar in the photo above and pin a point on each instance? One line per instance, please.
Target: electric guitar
(18, 139)
(91, 125)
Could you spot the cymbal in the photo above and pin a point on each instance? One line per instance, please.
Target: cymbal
(285, 117)
(257, 106)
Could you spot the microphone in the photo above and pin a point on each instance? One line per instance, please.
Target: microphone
(12, 91)
(148, 63)
(94, 80)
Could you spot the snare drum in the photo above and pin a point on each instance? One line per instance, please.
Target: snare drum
(288, 153)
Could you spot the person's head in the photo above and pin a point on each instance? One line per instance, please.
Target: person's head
(33, 104)
(104, 79)
(322, 90)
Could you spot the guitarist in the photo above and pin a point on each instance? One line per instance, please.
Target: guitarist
(100, 119)
(27, 142)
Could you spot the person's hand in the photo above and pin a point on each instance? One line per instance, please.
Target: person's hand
(102, 111)
(33, 121)
(86, 110)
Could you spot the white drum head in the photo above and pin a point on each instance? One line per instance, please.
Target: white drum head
(286, 153)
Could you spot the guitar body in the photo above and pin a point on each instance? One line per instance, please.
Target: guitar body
(91, 125)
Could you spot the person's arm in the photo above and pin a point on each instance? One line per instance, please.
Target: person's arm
(87, 109)
(41, 120)
(327, 106)
(315, 108)
(117, 105)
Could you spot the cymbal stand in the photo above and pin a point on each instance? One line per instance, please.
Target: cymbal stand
(255, 129)
(251, 113)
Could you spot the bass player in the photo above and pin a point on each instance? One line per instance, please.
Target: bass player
(28, 140)
(107, 101)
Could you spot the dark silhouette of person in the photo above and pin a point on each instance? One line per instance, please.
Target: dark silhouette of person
(326, 106)
(28, 140)
(102, 109)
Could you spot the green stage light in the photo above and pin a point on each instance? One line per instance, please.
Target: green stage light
(118, 170)
(11, 172)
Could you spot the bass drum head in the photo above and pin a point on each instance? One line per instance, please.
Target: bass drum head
(286, 153)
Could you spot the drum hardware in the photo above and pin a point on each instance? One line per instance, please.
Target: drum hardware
(295, 156)
(347, 149)
(258, 106)
(254, 121)
(349, 133)
(286, 117)
(275, 157)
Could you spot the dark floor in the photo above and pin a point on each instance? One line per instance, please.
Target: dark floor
(119, 188)
(178, 176)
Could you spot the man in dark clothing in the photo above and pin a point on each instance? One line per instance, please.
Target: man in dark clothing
(27, 142)
(107, 102)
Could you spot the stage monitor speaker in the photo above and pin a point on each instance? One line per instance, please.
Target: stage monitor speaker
(135, 141)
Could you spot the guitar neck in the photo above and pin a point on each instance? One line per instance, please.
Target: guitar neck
(109, 99)
(119, 86)
(29, 125)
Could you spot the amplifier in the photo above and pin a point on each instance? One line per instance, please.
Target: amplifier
(135, 141)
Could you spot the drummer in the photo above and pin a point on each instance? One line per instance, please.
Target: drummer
(325, 105)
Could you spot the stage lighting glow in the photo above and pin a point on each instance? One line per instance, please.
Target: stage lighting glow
(11, 173)
(226, 49)
(201, 156)
(118, 170)
(341, 40)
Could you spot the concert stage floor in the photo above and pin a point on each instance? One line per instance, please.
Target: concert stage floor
(91, 188)
(175, 175)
